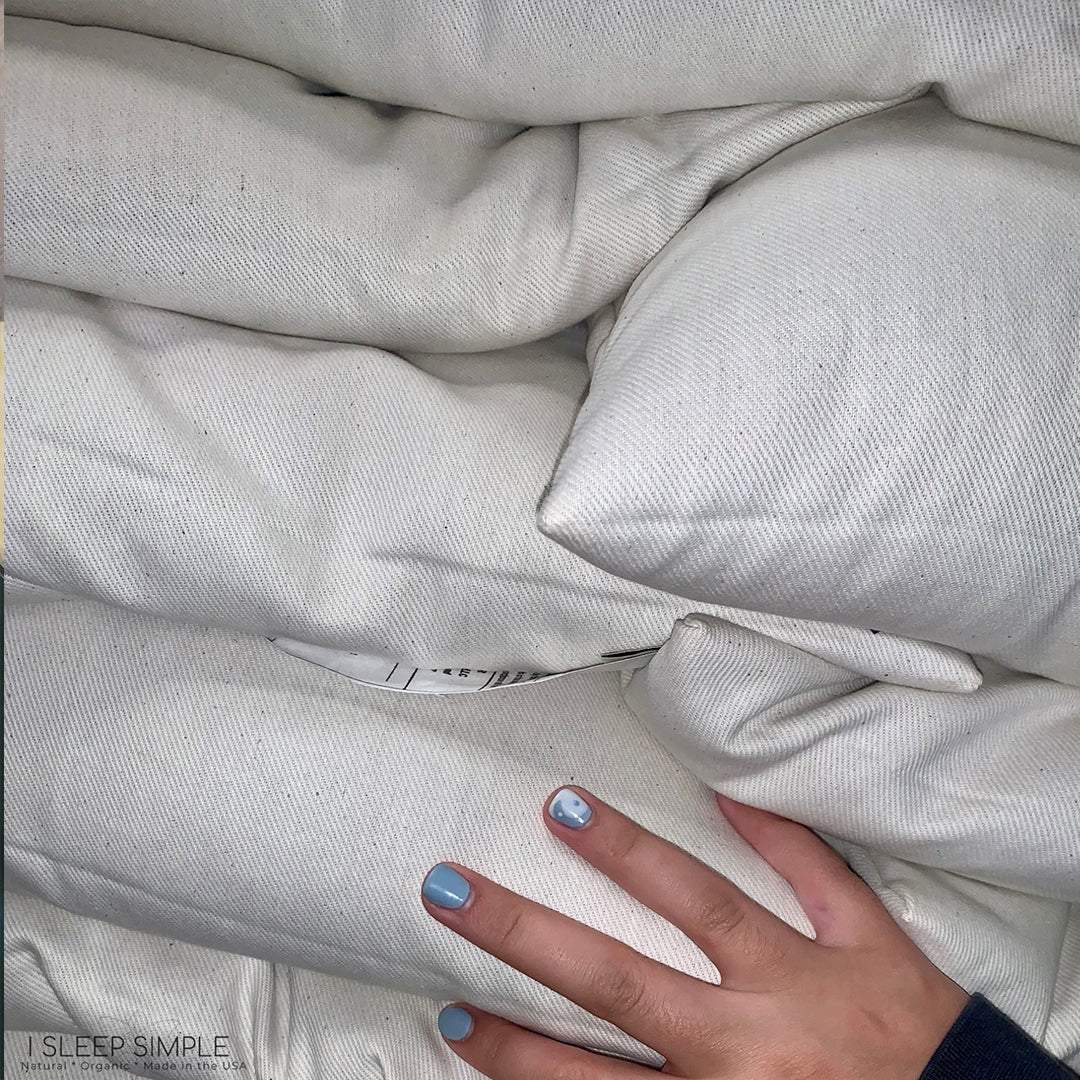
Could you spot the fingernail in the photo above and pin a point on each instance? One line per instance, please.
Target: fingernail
(569, 808)
(445, 887)
(455, 1024)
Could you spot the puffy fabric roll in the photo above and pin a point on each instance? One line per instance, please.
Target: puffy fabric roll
(826, 404)
(67, 974)
(204, 183)
(200, 784)
(541, 61)
(331, 493)
(204, 785)
(983, 784)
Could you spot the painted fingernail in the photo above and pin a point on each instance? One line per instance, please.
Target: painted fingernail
(445, 887)
(455, 1024)
(569, 808)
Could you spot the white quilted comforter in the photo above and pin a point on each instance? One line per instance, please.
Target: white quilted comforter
(370, 348)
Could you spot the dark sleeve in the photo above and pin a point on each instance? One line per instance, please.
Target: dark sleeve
(984, 1044)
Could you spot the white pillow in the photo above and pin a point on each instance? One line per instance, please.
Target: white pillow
(203, 785)
(330, 493)
(548, 61)
(850, 390)
(156, 172)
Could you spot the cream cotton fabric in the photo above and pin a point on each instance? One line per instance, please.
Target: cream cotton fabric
(292, 814)
(349, 794)
(287, 488)
(514, 336)
(825, 406)
(916, 774)
(68, 974)
(224, 188)
(545, 61)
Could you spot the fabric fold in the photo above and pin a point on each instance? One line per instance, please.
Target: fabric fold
(981, 784)
(546, 62)
(200, 182)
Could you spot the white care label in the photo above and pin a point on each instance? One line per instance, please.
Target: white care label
(405, 678)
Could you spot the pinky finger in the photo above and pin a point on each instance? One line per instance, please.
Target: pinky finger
(503, 1051)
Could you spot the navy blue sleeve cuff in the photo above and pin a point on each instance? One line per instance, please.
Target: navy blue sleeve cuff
(984, 1044)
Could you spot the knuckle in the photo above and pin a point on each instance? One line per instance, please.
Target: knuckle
(574, 1070)
(626, 845)
(725, 922)
(769, 957)
(509, 931)
(720, 916)
(618, 989)
(497, 1046)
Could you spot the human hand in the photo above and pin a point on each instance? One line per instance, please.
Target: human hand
(857, 1001)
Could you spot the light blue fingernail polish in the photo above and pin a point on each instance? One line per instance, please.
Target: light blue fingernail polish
(569, 808)
(455, 1024)
(445, 887)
